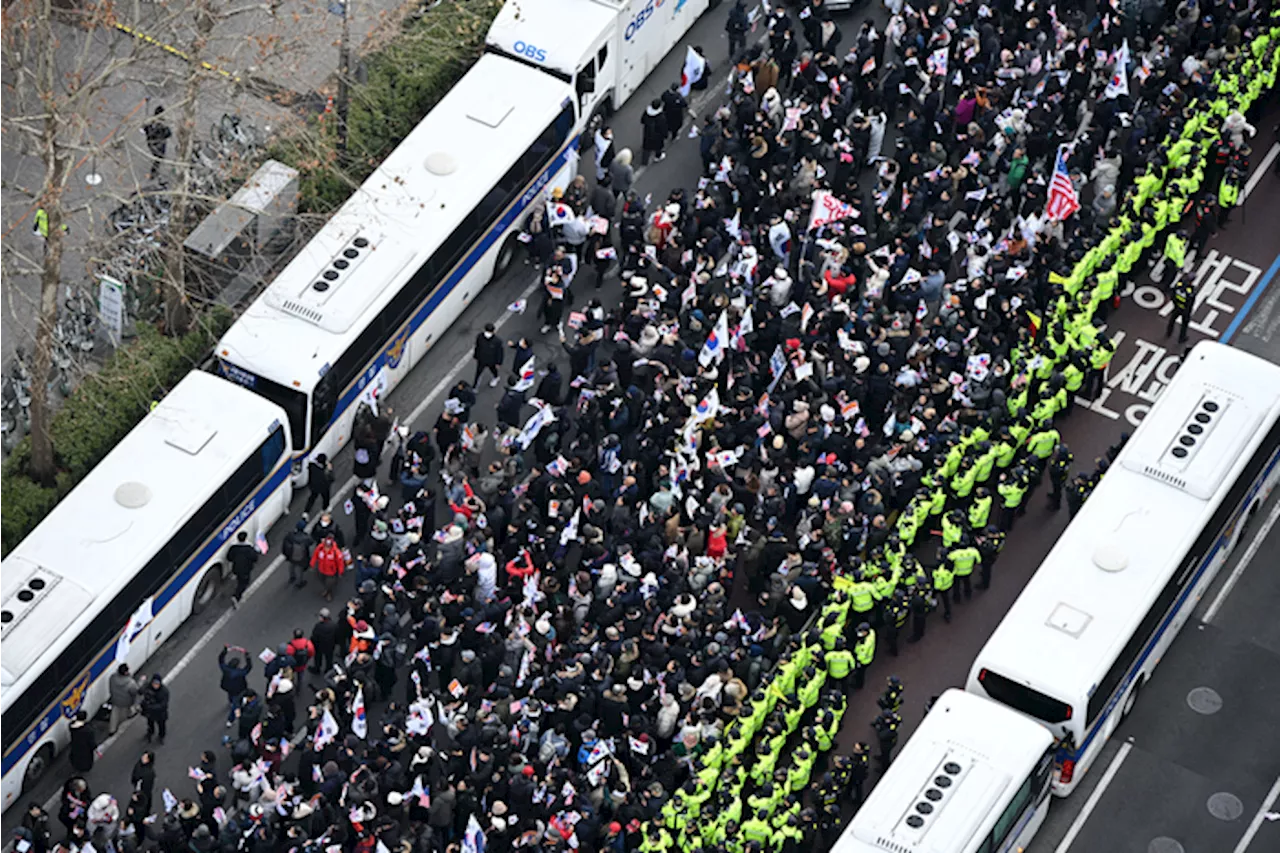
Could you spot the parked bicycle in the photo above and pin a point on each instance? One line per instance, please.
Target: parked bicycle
(235, 137)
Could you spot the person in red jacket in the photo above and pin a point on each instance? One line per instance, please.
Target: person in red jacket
(302, 651)
(717, 541)
(329, 562)
(517, 571)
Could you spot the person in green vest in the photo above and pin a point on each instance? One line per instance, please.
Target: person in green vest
(883, 585)
(1005, 448)
(864, 650)
(755, 830)
(788, 833)
(1099, 359)
(1175, 252)
(832, 630)
(964, 559)
(1228, 195)
(963, 482)
(1183, 296)
(985, 462)
(811, 688)
(862, 595)
(1105, 291)
(656, 839)
(952, 528)
(801, 768)
(840, 663)
(980, 509)
(943, 579)
(765, 761)
(1073, 380)
(1041, 443)
(1012, 490)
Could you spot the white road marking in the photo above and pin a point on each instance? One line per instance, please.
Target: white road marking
(1247, 558)
(1094, 798)
(1260, 172)
(1257, 819)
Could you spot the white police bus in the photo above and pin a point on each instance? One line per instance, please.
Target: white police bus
(133, 550)
(974, 778)
(391, 271)
(1089, 628)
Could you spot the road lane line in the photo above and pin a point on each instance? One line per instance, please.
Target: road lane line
(1249, 554)
(1256, 823)
(1259, 288)
(1094, 798)
(1260, 172)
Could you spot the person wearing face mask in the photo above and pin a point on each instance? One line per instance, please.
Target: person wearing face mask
(488, 355)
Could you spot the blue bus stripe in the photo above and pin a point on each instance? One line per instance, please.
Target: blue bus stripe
(1173, 612)
(164, 597)
(500, 225)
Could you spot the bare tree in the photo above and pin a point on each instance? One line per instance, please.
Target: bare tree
(48, 90)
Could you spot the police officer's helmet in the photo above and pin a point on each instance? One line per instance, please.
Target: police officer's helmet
(864, 628)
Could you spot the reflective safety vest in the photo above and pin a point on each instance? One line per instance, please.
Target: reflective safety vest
(979, 512)
(1005, 451)
(1175, 249)
(951, 532)
(865, 649)
(984, 464)
(863, 596)
(839, 663)
(1073, 378)
(1226, 195)
(943, 577)
(1101, 357)
(964, 559)
(1107, 280)
(962, 484)
(1042, 443)
(756, 830)
(1012, 493)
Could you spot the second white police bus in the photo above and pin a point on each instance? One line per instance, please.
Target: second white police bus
(1089, 628)
(137, 547)
(394, 268)
(974, 778)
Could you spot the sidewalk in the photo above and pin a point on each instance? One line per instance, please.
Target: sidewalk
(267, 68)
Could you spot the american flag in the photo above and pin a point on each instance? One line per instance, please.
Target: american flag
(1063, 198)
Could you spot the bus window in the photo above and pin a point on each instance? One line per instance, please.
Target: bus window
(1026, 700)
(323, 402)
(271, 451)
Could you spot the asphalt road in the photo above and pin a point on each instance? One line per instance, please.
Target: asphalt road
(1187, 779)
(273, 609)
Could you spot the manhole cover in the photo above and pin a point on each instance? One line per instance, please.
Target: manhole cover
(1225, 806)
(1165, 844)
(1204, 700)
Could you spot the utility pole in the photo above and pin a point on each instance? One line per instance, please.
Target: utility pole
(344, 72)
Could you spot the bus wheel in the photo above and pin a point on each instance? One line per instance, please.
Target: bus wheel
(506, 255)
(36, 767)
(207, 591)
(1132, 700)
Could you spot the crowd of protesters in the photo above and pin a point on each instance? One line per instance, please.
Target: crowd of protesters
(830, 386)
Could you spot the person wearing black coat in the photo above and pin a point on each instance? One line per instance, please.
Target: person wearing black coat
(510, 406)
(234, 681)
(324, 636)
(143, 778)
(654, 122)
(155, 707)
(488, 355)
(83, 743)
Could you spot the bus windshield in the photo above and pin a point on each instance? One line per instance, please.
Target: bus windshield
(293, 401)
(1025, 699)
